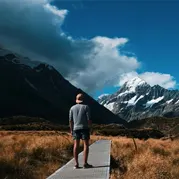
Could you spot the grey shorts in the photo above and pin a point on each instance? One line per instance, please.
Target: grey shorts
(83, 134)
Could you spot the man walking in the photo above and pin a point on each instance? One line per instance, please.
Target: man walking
(80, 122)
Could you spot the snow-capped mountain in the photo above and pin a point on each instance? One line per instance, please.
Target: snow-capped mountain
(37, 89)
(136, 100)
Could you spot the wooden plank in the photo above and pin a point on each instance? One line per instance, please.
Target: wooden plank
(99, 157)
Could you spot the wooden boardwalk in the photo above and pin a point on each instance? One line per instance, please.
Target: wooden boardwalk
(99, 157)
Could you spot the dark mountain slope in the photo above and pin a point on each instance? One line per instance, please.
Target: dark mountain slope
(36, 89)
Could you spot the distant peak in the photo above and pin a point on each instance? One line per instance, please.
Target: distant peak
(133, 83)
(136, 80)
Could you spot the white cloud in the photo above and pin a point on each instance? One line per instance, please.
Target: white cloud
(164, 80)
(105, 65)
(110, 43)
(34, 28)
(61, 13)
(152, 78)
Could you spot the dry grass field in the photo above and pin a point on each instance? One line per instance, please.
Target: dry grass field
(37, 154)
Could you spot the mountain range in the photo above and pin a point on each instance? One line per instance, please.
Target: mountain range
(136, 99)
(36, 89)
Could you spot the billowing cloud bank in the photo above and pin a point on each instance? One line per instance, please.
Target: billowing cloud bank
(34, 28)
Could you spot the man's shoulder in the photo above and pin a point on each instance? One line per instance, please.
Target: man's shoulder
(79, 106)
(84, 105)
(72, 107)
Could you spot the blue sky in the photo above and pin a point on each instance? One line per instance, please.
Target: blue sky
(151, 27)
(97, 45)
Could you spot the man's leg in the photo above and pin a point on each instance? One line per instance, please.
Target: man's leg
(86, 138)
(75, 150)
(86, 150)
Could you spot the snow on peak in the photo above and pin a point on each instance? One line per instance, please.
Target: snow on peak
(103, 95)
(169, 101)
(133, 83)
(153, 101)
(110, 106)
(177, 102)
(133, 101)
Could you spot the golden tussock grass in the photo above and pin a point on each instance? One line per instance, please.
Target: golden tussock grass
(154, 159)
(36, 155)
(33, 154)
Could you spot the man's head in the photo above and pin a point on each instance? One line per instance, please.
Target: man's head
(79, 98)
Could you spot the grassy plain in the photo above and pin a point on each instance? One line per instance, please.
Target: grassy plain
(37, 154)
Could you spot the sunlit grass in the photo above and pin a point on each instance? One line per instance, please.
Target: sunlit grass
(36, 155)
